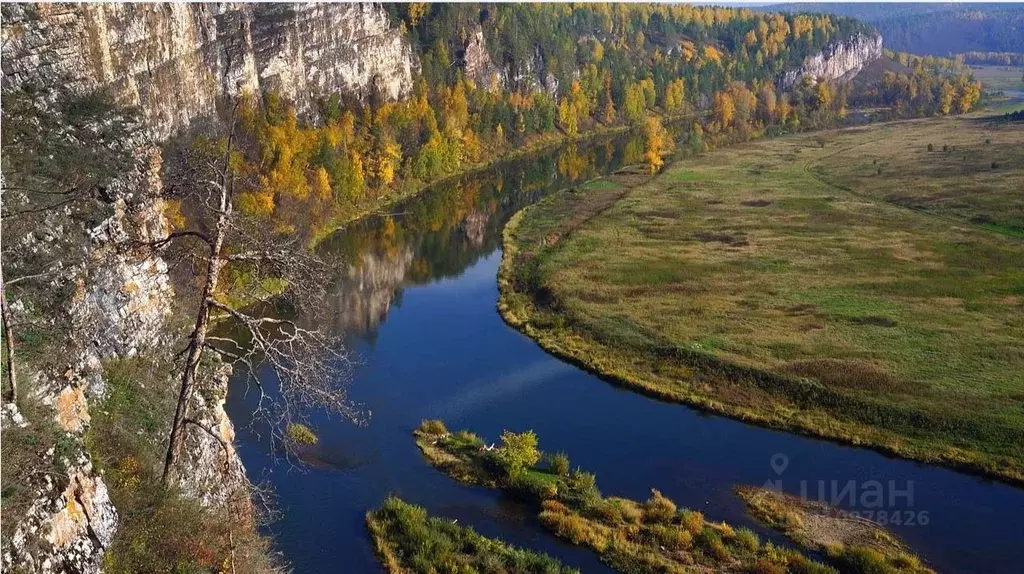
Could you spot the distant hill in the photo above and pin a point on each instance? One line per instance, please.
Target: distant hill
(936, 29)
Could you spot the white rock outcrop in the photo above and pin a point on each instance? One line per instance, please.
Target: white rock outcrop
(840, 61)
(176, 60)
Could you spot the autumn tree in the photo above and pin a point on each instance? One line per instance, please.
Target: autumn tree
(969, 94)
(724, 110)
(946, 94)
(384, 159)
(635, 103)
(518, 452)
(568, 120)
(657, 143)
(675, 96)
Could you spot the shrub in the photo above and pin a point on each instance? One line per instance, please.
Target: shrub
(671, 537)
(630, 511)
(862, 560)
(433, 427)
(945, 147)
(931, 147)
(607, 511)
(792, 520)
(800, 564)
(558, 463)
(707, 538)
(658, 508)
(464, 441)
(995, 165)
(554, 506)
(765, 566)
(535, 484)
(747, 540)
(412, 541)
(906, 561)
(577, 529)
(579, 489)
(301, 434)
(692, 520)
(518, 451)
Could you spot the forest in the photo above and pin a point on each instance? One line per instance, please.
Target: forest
(933, 28)
(552, 72)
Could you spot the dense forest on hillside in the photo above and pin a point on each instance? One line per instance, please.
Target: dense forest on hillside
(501, 78)
(938, 29)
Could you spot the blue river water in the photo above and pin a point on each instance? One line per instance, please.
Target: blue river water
(417, 302)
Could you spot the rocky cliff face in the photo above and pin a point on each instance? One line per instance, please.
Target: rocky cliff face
(840, 61)
(118, 308)
(530, 75)
(175, 60)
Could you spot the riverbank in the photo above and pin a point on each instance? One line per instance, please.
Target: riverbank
(768, 283)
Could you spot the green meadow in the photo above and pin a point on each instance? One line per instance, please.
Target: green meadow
(864, 285)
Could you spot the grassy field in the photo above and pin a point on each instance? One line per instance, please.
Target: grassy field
(407, 540)
(849, 284)
(998, 78)
(630, 536)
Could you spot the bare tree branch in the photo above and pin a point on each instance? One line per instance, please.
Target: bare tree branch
(161, 243)
(311, 367)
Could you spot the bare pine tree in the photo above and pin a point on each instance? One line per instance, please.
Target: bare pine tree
(311, 366)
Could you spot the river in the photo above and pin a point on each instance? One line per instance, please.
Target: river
(416, 300)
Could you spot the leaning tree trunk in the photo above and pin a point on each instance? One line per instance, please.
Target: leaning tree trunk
(198, 340)
(195, 347)
(12, 385)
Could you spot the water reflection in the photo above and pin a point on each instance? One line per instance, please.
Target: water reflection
(449, 227)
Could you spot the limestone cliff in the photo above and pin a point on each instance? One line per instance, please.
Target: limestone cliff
(839, 61)
(529, 75)
(175, 60)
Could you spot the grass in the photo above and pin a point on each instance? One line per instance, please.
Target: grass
(631, 536)
(853, 543)
(159, 530)
(26, 462)
(865, 290)
(998, 78)
(408, 540)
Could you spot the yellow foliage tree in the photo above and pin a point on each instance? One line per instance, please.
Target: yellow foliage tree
(567, 117)
(657, 143)
(724, 109)
(970, 93)
(417, 10)
(675, 96)
(321, 185)
(946, 94)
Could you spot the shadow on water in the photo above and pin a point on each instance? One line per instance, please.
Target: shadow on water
(416, 299)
